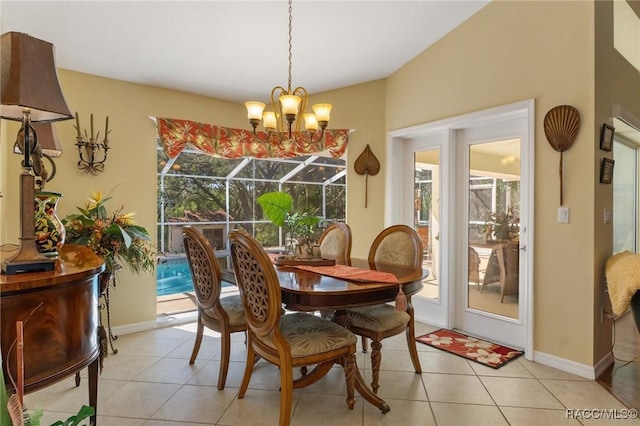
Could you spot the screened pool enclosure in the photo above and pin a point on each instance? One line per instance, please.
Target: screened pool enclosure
(218, 195)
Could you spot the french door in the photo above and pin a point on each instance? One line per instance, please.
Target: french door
(468, 181)
(490, 296)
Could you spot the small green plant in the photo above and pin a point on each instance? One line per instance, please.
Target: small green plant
(84, 413)
(277, 205)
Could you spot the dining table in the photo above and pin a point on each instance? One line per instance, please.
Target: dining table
(308, 290)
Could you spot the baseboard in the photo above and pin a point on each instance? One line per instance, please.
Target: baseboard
(169, 320)
(161, 321)
(582, 370)
(602, 365)
(133, 328)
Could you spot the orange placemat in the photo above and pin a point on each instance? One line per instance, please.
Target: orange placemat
(351, 273)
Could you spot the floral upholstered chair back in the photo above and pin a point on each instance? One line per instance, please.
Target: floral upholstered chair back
(335, 241)
(397, 244)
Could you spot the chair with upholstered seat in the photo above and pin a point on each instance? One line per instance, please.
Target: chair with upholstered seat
(399, 245)
(287, 341)
(222, 314)
(335, 241)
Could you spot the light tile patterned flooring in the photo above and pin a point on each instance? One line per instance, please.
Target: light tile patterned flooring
(150, 382)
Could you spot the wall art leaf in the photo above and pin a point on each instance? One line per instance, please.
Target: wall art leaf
(368, 165)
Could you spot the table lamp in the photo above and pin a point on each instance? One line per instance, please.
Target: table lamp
(29, 92)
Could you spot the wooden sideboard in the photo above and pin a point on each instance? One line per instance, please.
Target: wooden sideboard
(61, 335)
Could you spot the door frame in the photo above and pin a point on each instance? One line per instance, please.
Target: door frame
(399, 209)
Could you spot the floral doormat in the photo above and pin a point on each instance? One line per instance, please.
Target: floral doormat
(486, 353)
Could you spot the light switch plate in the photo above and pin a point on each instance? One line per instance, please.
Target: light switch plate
(563, 214)
(607, 216)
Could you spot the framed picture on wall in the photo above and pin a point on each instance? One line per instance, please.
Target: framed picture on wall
(606, 170)
(606, 137)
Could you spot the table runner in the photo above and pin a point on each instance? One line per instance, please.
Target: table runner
(351, 273)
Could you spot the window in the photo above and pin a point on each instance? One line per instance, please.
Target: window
(625, 188)
(219, 195)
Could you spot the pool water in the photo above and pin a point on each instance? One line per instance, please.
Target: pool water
(175, 277)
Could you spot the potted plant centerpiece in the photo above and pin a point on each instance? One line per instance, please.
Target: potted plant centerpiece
(503, 225)
(301, 227)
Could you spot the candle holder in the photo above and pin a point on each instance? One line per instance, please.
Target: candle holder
(92, 153)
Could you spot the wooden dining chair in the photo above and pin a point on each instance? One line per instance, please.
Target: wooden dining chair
(287, 341)
(399, 245)
(222, 314)
(335, 241)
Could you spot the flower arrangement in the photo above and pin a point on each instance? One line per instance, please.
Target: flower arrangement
(114, 237)
(504, 225)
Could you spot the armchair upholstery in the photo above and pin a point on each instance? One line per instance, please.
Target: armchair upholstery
(335, 241)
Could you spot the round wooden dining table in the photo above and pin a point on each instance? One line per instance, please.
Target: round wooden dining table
(304, 290)
(309, 291)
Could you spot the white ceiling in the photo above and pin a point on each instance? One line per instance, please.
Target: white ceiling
(237, 50)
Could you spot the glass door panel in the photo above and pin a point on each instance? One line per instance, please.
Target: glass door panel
(493, 228)
(427, 216)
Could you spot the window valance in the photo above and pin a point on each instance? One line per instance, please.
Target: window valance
(227, 142)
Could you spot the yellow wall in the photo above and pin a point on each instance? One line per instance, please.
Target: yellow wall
(508, 52)
(131, 166)
(362, 108)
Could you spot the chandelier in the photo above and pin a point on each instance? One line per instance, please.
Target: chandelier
(287, 106)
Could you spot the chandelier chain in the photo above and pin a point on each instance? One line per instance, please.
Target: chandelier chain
(288, 107)
(290, 43)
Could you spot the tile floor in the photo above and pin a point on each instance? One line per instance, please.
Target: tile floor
(150, 382)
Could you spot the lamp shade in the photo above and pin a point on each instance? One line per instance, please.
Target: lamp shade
(29, 79)
(254, 110)
(290, 103)
(322, 111)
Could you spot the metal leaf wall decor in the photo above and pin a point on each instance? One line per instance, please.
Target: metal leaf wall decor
(561, 125)
(366, 164)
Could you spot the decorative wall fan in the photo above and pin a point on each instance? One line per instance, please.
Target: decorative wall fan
(366, 164)
(561, 125)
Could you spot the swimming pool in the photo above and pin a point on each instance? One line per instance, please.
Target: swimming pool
(174, 276)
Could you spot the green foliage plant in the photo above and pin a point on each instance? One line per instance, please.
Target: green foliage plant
(115, 237)
(85, 413)
(4, 399)
(277, 206)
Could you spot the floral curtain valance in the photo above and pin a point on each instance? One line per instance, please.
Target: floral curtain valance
(226, 142)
